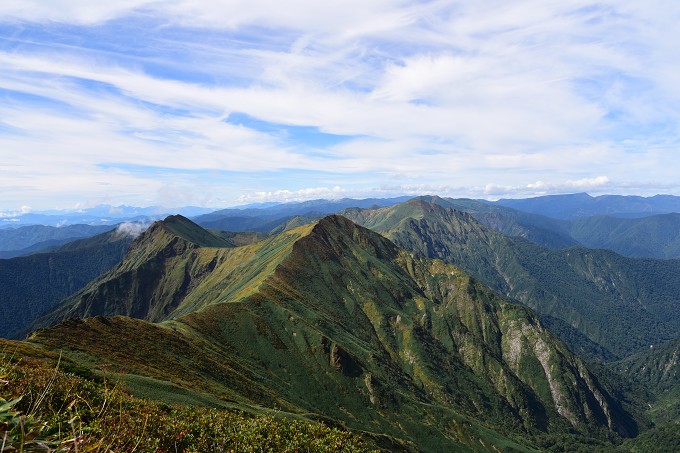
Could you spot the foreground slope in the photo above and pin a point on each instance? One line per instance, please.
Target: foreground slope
(334, 320)
(38, 386)
(602, 303)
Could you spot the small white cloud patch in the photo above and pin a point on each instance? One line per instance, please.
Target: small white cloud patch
(132, 229)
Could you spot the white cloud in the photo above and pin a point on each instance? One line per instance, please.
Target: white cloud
(440, 94)
(70, 11)
(132, 229)
(285, 195)
(593, 185)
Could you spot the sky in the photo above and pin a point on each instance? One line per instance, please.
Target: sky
(219, 103)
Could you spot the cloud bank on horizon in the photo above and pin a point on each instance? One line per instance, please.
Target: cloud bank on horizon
(177, 102)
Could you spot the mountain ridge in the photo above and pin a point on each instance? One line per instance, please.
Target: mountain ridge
(576, 285)
(337, 306)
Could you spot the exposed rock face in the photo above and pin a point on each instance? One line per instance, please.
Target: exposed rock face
(342, 361)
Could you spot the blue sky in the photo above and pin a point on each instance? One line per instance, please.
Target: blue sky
(178, 102)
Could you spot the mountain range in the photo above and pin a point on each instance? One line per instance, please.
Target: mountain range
(650, 227)
(644, 235)
(578, 205)
(432, 324)
(339, 322)
(31, 239)
(97, 215)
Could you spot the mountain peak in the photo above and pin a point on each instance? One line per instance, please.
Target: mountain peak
(176, 218)
(179, 226)
(335, 222)
(337, 235)
(427, 199)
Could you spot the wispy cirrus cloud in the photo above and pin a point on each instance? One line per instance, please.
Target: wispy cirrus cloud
(135, 100)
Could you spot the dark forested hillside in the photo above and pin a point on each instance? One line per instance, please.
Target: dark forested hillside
(31, 285)
(655, 236)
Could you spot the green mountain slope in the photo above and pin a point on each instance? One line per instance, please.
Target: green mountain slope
(31, 285)
(161, 267)
(546, 231)
(601, 298)
(643, 236)
(648, 237)
(102, 416)
(332, 319)
(653, 236)
(657, 369)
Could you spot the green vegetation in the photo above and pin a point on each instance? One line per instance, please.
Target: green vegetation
(170, 271)
(614, 305)
(62, 407)
(643, 236)
(662, 439)
(655, 236)
(657, 370)
(186, 229)
(332, 321)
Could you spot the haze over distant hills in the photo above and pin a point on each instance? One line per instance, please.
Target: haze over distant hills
(98, 215)
(583, 205)
(266, 217)
(34, 238)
